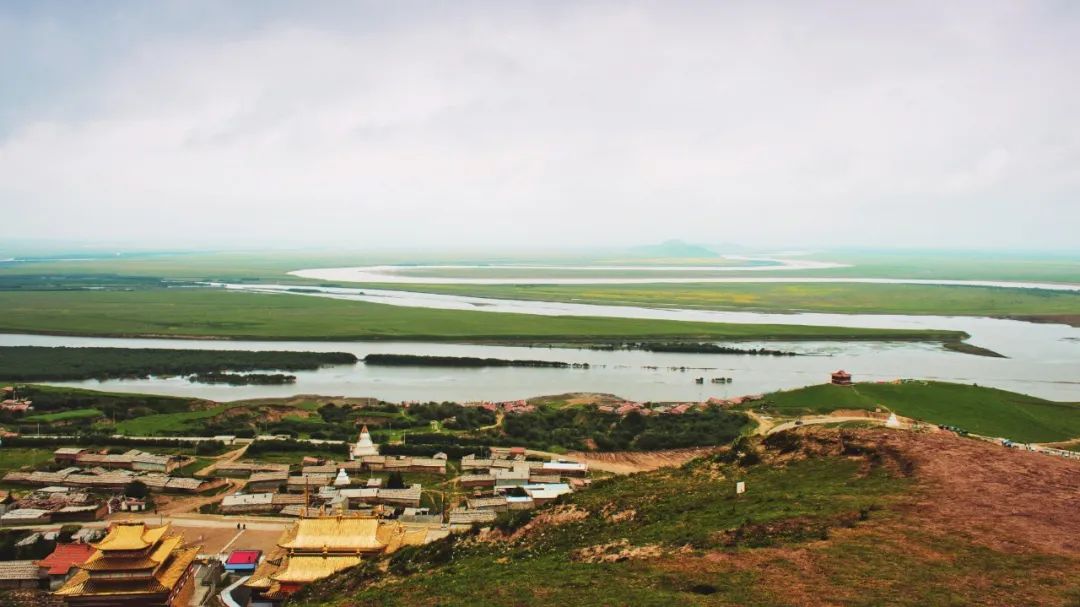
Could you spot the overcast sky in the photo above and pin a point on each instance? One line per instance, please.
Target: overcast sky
(549, 123)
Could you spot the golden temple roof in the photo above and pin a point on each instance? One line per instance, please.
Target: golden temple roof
(305, 569)
(165, 562)
(131, 536)
(338, 534)
(105, 561)
(260, 578)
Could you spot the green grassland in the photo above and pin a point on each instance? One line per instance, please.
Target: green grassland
(14, 458)
(816, 297)
(953, 265)
(66, 410)
(167, 423)
(986, 411)
(273, 266)
(63, 415)
(230, 314)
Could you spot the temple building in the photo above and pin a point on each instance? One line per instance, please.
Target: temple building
(363, 446)
(315, 548)
(134, 565)
(841, 378)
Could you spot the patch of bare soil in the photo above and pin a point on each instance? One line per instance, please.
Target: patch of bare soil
(578, 398)
(267, 413)
(1007, 499)
(560, 515)
(859, 413)
(628, 462)
(614, 552)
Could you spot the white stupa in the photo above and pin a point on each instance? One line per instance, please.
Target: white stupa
(342, 479)
(363, 446)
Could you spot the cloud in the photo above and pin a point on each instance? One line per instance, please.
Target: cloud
(578, 124)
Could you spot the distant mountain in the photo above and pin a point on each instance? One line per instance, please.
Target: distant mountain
(674, 248)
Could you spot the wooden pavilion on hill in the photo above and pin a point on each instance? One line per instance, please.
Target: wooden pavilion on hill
(134, 565)
(841, 378)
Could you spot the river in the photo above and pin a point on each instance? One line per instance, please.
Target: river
(1043, 359)
(631, 374)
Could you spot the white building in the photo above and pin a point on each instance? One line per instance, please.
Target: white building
(342, 479)
(363, 446)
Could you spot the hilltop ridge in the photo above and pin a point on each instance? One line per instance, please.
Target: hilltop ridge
(829, 517)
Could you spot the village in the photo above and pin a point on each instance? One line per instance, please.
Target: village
(96, 523)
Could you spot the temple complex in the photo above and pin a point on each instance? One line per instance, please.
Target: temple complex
(134, 565)
(316, 548)
(363, 446)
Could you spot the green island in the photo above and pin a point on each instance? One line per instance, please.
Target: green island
(39, 363)
(460, 361)
(839, 298)
(243, 379)
(217, 313)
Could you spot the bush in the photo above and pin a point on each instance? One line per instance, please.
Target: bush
(413, 559)
(136, 489)
(512, 520)
(67, 531)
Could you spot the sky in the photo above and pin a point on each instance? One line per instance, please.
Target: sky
(577, 124)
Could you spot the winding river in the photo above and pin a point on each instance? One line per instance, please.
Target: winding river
(1044, 359)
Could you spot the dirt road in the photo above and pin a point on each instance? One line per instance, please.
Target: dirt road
(226, 458)
(628, 462)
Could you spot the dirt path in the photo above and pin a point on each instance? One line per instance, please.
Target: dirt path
(814, 420)
(499, 415)
(225, 458)
(629, 462)
(764, 423)
(172, 504)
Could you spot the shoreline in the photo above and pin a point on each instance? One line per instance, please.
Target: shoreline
(888, 335)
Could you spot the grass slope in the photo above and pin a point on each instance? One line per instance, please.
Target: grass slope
(225, 314)
(165, 423)
(63, 415)
(856, 523)
(986, 411)
(691, 507)
(14, 458)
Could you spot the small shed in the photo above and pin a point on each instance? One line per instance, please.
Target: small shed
(242, 561)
